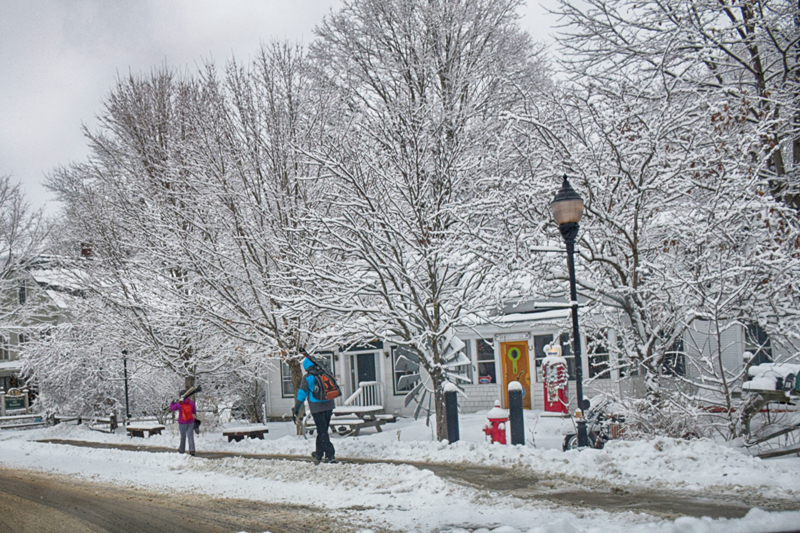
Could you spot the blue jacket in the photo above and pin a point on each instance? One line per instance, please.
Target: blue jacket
(307, 392)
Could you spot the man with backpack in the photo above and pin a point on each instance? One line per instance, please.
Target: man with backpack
(320, 388)
(186, 411)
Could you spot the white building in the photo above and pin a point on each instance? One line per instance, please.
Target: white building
(527, 328)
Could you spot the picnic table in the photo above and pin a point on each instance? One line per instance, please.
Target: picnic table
(240, 432)
(349, 419)
(138, 429)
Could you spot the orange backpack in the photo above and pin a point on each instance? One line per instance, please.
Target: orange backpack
(186, 412)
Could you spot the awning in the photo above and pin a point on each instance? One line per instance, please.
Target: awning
(10, 368)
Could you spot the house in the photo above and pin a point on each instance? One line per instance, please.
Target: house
(36, 296)
(527, 328)
(522, 331)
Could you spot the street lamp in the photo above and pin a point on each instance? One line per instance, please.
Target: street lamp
(567, 209)
(125, 373)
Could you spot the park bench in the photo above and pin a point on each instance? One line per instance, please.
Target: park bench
(350, 420)
(138, 429)
(240, 432)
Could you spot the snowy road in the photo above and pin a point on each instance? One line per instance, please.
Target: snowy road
(661, 486)
(527, 486)
(44, 503)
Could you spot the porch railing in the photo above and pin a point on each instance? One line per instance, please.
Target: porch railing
(367, 393)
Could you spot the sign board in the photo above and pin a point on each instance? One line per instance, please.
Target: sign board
(15, 402)
(14, 399)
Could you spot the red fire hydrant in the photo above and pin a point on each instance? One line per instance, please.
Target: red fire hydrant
(497, 418)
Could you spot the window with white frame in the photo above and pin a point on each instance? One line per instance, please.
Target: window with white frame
(287, 389)
(487, 372)
(539, 343)
(5, 355)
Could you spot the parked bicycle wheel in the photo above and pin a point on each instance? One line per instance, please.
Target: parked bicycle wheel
(571, 441)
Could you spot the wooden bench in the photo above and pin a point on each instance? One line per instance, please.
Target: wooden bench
(139, 429)
(239, 433)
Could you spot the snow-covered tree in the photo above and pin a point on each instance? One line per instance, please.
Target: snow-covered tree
(421, 86)
(132, 209)
(252, 170)
(677, 228)
(745, 52)
(22, 239)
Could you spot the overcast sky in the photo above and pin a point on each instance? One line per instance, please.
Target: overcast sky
(59, 58)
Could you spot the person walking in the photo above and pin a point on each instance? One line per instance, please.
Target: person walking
(321, 411)
(186, 411)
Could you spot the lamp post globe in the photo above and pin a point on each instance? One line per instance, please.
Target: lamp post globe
(567, 209)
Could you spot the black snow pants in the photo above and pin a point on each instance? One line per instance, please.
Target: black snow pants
(324, 446)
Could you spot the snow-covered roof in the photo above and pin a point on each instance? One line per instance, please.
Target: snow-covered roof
(553, 314)
(57, 277)
(10, 365)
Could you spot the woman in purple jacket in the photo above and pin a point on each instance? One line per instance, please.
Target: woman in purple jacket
(186, 411)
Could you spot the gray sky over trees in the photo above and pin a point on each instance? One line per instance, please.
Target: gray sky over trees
(60, 57)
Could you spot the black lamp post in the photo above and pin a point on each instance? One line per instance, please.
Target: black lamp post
(567, 209)
(125, 373)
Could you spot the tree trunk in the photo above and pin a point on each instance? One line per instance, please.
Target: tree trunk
(296, 370)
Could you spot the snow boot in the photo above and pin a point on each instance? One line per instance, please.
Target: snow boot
(315, 458)
(330, 460)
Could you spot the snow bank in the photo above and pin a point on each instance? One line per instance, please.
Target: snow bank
(697, 465)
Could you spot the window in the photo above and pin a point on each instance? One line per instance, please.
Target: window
(674, 362)
(486, 368)
(4, 354)
(598, 359)
(287, 389)
(22, 294)
(539, 343)
(405, 362)
(566, 353)
(756, 341)
(326, 358)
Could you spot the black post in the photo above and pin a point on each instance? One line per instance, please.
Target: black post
(125, 372)
(570, 231)
(451, 412)
(515, 417)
